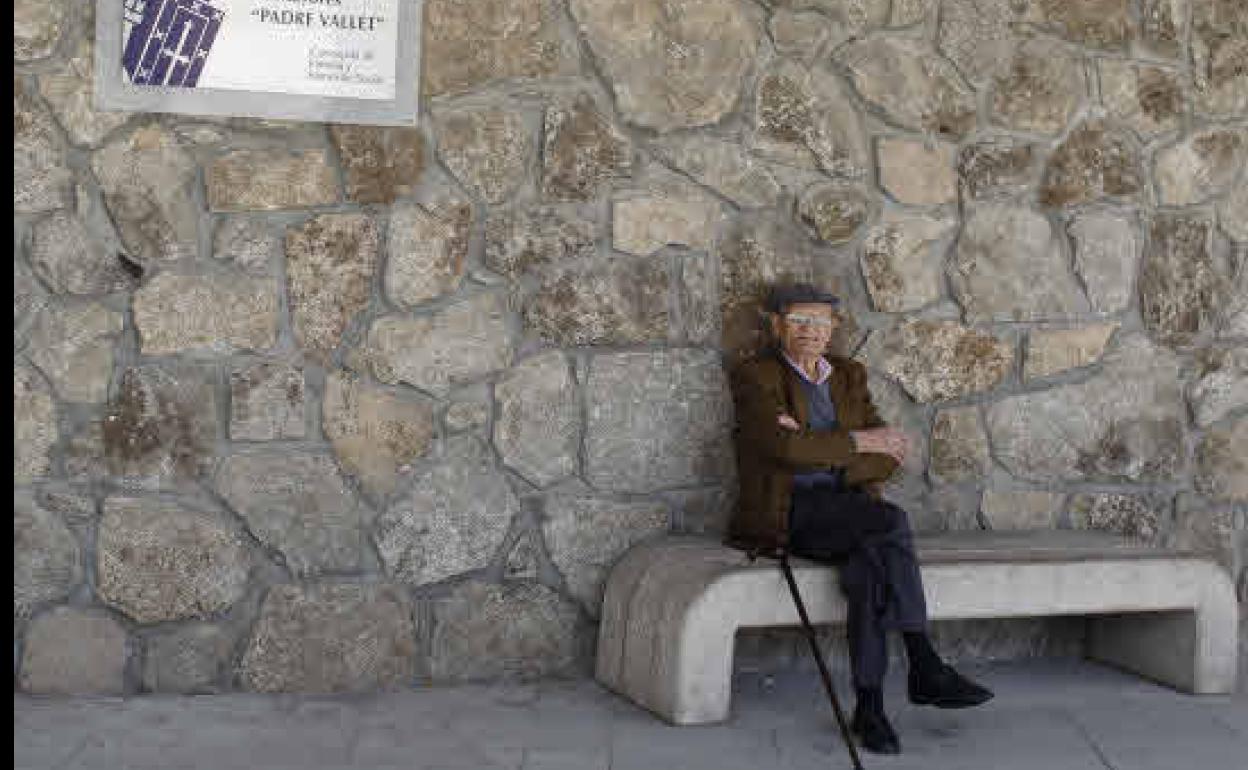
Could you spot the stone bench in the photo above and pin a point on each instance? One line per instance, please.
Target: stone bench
(672, 607)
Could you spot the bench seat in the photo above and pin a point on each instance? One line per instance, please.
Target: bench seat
(673, 604)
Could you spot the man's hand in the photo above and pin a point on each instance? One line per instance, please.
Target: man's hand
(788, 422)
(888, 441)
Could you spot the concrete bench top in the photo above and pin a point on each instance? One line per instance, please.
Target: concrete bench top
(672, 606)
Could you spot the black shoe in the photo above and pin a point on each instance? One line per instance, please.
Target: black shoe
(946, 689)
(876, 733)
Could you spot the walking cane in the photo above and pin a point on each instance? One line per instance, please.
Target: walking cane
(823, 668)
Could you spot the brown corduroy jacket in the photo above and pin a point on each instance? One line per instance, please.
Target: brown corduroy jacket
(768, 455)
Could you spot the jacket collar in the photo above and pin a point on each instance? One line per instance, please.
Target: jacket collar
(795, 394)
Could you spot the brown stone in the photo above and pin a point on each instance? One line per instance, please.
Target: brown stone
(1095, 161)
(1040, 88)
(582, 151)
(329, 271)
(1219, 50)
(379, 163)
(69, 94)
(1201, 166)
(1148, 98)
(618, 302)
(804, 117)
(1163, 26)
(938, 360)
(1182, 284)
(724, 167)
(1050, 352)
(37, 27)
(912, 85)
(1094, 23)
(488, 149)
(267, 180)
(1139, 516)
(428, 246)
(959, 448)
(524, 240)
(997, 166)
(835, 212)
(902, 261)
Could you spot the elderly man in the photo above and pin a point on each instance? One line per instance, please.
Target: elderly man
(813, 455)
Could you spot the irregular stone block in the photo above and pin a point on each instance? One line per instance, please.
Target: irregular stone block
(1222, 386)
(1040, 88)
(902, 261)
(74, 260)
(453, 518)
(586, 535)
(582, 151)
(376, 435)
(618, 302)
(266, 402)
(331, 637)
(959, 447)
(1125, 424)
(999, 165)
(148, 179)
(1233, 212)
(657, 419)
(835, 212)
(329, 272)
(158, 560)
(1163, 26)
(488, 149)
(41, 178)
(522, 558)
(1147, 98)
(1095, 161)
(1008, 266)
(460, 343)
(69, 93)
(190, 660)
(1107, 254)
(917, 173)
(34, 425)
(644, 224)
(1201, 166)
(1219, 47)
(1183, 283)
(1140, 516)
(538, 431)
(428, 246)
(979, 36)
(1012, 510)
(517, 242)
(47, 561)
(1050, 352)
(1094, 23)
(911, 84)
(29, 298)
(1222, 462)
(73, 346)
(938, 360)
(380, 163)
(70, 651)
(724, 167)
(804, 117)
(37, 28)
(270, 180)
(516, 631)
(218, 312)
(250, 244)
(647, 56)
(1207, 529)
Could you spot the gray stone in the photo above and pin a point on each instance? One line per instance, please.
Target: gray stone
(1095, 161)
(1163, 26)
(1147, 98)
(488, 149)
(219, 312)
(41, 179)
(467, 45)
(520, 241)
(800, 34)
(1183, 283)
(722, 166)
(538, 431)
(298, 505)
(671, 70)
(522, 559)
(1233, 212)
(1008, 266)
(917, 173)
(1222, 386)
(911, 85)
(250, 244)
(469, 414)
(1107, 254)
(959, 448)
(657, 419)
(190, 660)
(148, 179)
(376, 435)
(267, 402)
(704, 511)
(586, 535)
(1219, 47)
(902, 260)
(697, 302)
(804, 117)
(617, 302)
(835, 212)
(1053, 351)
(160, 427)
(379, 163)
(514, 631)
(34, 425)
(999, 165)
(1124, 424)
(938, 360)
(453, 518)
(73, 260)
(1207, 529)
(72, 344)
(47, 561)
(71, 651)
(903, 13)
(1024, 509)
(1093, 23)
(29, 298)
(158, 560)
(1140, 516)
(1199, 167)
(331, 637)
(69, 93)
(329, 272)
(582, 151)
(37, 28)
(269, 180)
(428, 246)
(1039, 89)
(1222, 462)
(644, 223)
(458, 344)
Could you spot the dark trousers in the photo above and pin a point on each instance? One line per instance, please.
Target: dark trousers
(871, 543)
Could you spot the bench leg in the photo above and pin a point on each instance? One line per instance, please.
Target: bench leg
(1176, 648)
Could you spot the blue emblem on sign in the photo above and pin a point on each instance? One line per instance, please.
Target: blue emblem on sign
(169, 40)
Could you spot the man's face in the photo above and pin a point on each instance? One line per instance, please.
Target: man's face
(804, 329)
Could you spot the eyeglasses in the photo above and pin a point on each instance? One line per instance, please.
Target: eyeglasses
(801, 319)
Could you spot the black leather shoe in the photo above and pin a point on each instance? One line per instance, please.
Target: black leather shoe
(877, 735)
(946, 689)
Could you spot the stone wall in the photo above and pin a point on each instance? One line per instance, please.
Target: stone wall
(311, 407)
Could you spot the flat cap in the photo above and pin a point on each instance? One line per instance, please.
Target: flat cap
(798, 293)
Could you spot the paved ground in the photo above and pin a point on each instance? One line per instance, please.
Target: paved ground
(1048, 715)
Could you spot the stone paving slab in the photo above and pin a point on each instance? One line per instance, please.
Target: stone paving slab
(1048, 715)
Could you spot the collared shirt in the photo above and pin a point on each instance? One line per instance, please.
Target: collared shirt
(821, 410)
(825, 369)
